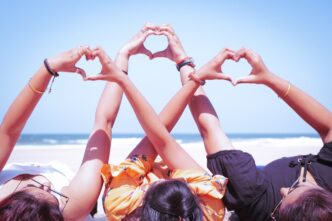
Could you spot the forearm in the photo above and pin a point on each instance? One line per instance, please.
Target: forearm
(110, 100)
(97, 150)
(106, 113)
(206, 118)
(169, 116)
(154, 129)
(145, 114)
(24, 104)
(310, 110)
(20, 111)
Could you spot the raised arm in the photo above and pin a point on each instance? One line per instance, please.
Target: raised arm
(203, 111)
(88, 179)
(153, 127)
(151, 124)
(310, 110)
(175, 107)
(24, 104)
(172, 112)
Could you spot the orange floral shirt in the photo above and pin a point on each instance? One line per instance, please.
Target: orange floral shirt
(126, 184)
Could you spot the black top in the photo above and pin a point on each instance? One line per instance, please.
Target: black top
(254, 193)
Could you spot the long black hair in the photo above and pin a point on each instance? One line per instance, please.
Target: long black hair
(170, 200)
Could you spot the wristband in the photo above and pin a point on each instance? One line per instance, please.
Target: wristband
(50, 70)
(187, 61)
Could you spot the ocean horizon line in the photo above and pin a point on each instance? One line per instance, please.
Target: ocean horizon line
(231, 134)
(81, 139)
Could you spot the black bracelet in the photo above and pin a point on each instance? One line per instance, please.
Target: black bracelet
(189, 61)
(50, 70)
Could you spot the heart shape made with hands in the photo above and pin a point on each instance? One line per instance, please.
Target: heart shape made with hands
(89, 66)
(156, 43)
(236, 69)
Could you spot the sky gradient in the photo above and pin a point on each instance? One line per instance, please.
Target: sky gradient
(293, 38)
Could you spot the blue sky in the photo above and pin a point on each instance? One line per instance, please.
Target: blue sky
(293, 37)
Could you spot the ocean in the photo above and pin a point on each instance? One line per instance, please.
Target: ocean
(263, 147)
(79, 139)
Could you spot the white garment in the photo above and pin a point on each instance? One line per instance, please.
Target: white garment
(57, 173)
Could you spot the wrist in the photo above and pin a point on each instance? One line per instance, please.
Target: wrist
(50, 69)
(53, 64)
(270, 80)
(123, 53)
(122, 80)
(196, 78)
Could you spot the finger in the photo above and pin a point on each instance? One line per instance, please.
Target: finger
(101, 54)
(168, 35)
(167, 28)
(80, 71)
(147, 33)
(160, 54)
(246, 79)
(148, 26)
(145, 51)
(227, 54)
(247, 54)
(77, 70)
(87, 52)
(224, 77)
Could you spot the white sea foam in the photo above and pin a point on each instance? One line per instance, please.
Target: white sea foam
(264, 150)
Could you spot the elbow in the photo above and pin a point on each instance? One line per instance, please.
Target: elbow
(327, 135)
(208, 128)
(10, 132)
(104, 121)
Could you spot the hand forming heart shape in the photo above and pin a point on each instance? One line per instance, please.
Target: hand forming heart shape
(175, 52)
(156, 43)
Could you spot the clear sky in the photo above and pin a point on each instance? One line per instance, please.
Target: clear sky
(293, 37)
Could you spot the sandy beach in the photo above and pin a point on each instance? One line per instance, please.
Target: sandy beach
(263, 150)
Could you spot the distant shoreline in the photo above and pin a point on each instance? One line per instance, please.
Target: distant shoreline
(274, 134)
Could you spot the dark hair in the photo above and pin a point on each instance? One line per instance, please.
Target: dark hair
(314, 204)
(22, 206)
(170, 200)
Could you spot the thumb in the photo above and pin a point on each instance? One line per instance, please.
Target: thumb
(79, 71)
(242, 80)
(95, 77)
(160, 54)
(145, 51)
(224, 76)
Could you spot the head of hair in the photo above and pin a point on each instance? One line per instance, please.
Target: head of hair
(23, 206)
(314, 204)
(170, 200)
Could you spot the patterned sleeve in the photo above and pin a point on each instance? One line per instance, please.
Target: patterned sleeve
(125, 186)
(209, 189)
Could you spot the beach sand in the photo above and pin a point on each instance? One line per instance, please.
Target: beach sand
(263, 151)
